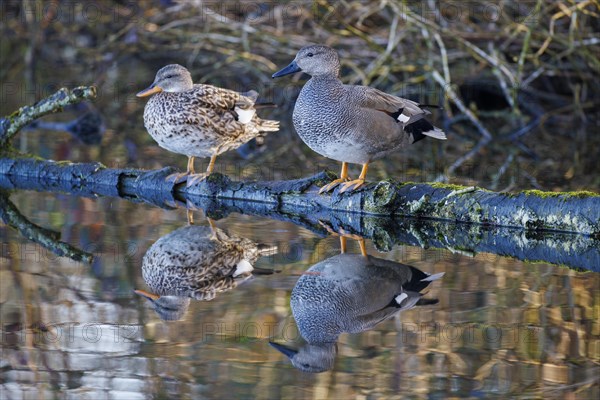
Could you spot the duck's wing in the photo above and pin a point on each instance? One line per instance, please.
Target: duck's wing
(241, 105)
(405, 111)
(394, 106)
(209, 96)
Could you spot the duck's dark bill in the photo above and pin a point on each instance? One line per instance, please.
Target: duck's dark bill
(290, 69)
(283, 349)
(149, 90)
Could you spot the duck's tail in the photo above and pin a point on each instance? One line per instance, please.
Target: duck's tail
(420, 128)
(267, 125)
(269, 104)
(267, 249)
(252, 95)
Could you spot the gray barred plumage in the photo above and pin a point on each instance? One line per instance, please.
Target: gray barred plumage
(351, 123)
(349, 293)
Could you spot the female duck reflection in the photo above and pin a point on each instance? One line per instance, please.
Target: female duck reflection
(349, 293)
(197, 262)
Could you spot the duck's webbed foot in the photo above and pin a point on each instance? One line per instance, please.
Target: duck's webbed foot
(177, 177)
(356, 183)
(352, 185)
(332, 185)
(196, 178)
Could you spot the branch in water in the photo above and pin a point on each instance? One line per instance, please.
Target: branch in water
(45, 237)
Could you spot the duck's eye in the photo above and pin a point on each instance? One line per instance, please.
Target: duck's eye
(169, 77)
(310, 54)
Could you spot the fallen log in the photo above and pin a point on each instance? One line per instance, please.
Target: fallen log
(567, 249)
(536, 211)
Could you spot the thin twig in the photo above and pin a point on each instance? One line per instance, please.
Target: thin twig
(461, 106)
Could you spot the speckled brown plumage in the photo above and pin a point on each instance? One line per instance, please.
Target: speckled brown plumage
(196, 262)
(200, 120)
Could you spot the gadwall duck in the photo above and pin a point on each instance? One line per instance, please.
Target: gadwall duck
(349, 293)
(351, 123)
(199, 120)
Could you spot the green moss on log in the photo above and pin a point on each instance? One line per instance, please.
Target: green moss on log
(449, 186)
(580, 194)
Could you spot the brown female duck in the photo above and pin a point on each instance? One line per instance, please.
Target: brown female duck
(199, 120)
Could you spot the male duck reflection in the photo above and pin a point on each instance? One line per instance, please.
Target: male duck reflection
(351, 123)
(348, 293)
(199, 120)
(197, 262)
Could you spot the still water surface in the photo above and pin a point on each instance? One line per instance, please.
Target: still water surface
(501, 328)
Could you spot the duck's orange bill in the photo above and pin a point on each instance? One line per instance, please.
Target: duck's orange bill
(148, 295)
(148, 91)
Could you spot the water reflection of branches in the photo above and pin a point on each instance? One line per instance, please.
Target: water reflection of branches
(45, 237)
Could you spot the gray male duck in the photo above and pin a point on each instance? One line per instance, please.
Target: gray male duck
(199, 120)
(349, 293)
(351, 123)
(197, 262)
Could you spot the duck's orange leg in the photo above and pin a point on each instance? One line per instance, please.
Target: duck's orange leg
(182, 176)
(356, 183)
(190, 217)
(333, 184)
(196, 178)
(343, 239)
(360, 240)
(190, 166)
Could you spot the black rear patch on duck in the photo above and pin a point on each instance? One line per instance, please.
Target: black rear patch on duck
(427, 302)
(417, 128)
(397, 113)
(394, 115)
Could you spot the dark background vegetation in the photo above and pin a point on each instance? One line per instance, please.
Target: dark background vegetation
(518, 81)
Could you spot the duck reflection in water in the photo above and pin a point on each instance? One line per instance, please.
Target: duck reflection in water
(197, 262)
(349, 293)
